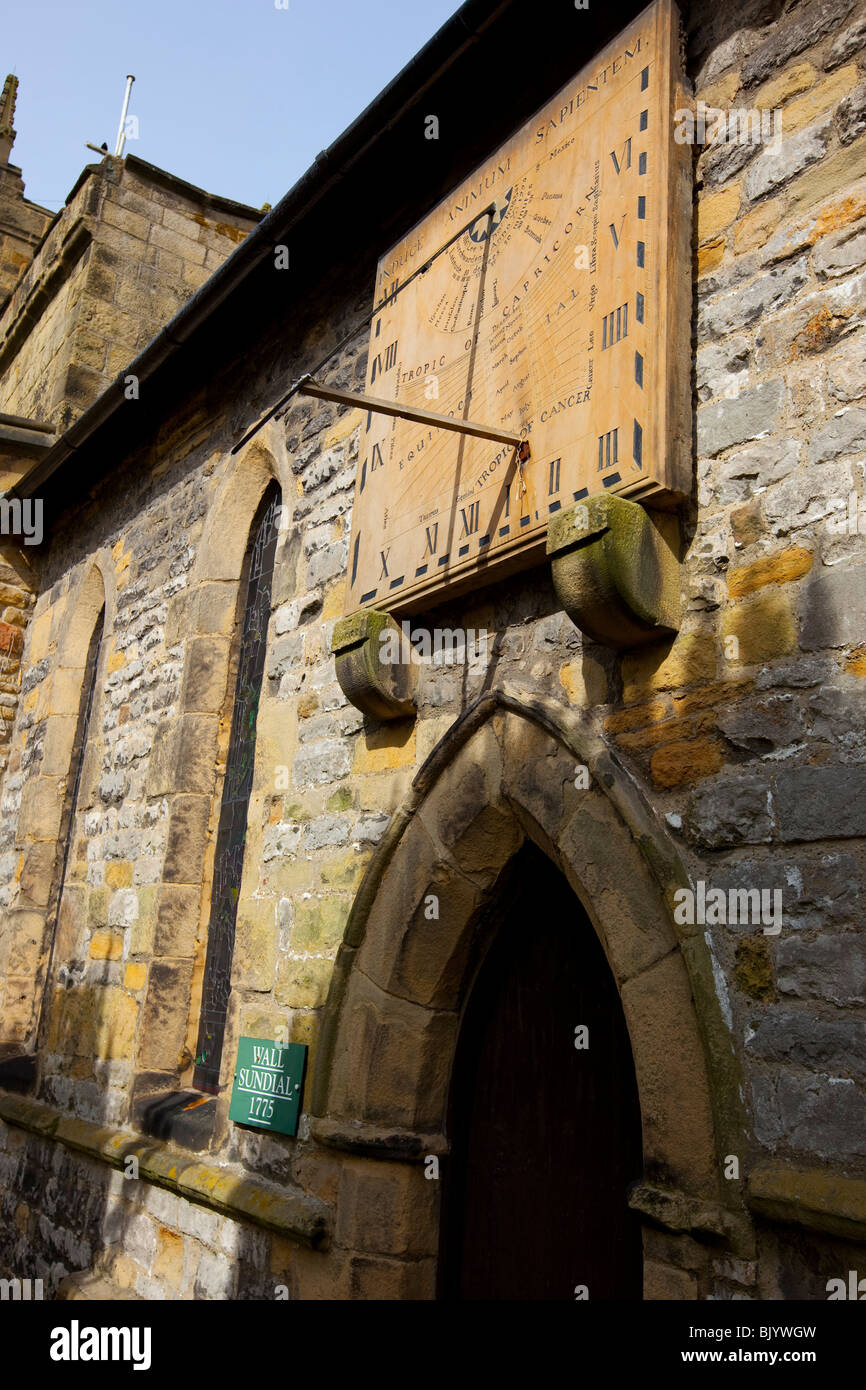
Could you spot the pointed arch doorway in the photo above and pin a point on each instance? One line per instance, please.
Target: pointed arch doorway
(500, 780)
(544, 1119)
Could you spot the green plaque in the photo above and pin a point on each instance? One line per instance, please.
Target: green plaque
(268, 1084)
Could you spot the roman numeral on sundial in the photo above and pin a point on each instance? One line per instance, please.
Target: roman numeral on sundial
(614, 326)
(432, 538)
(376, 461)
(470, 522)
(608, 449)
(380, 365)
(617, 234)
(624, 155)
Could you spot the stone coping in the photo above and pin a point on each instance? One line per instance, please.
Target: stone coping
(809, 1197)
(286, 1210)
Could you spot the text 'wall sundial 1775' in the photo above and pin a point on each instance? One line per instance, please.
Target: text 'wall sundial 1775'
(559, 316)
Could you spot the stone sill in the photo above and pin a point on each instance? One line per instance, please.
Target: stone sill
(288, 1211)
(809, 1197)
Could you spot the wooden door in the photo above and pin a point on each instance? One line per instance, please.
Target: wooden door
(545, 1136)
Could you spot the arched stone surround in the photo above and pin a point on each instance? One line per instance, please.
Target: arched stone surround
(507, 770)
(32, 918)
(187, 765)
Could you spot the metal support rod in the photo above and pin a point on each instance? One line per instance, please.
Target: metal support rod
(308, 387)
(121, 135)
(364, 323)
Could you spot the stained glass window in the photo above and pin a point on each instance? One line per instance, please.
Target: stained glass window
(232, 830)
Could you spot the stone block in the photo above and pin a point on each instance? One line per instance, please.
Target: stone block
(584, 682)
(819, 101)
(753, 413)
(215, 612)
(303, 984)
(782, 568)
(836, 1047)
(119, 875)
(420, 927)
(36, 872)
(165, 1014)
(392, 1060)
(838, 255)
(831, 968)
(808, 497)
(825, 179)
(319, 924)
(135, 977)
(41, 809)
(116, 1016)
(57, 746)
(321, 763)
(384, 749)
(389, 1208)
(665, 1283)
(716, 212)
(686, 761)
(177, 918)
(851, 115)
(627, 912)
(670, 1068)
(205, 677)
(187, 839)
(195, 747)
(123, 908)
(464, 812)
(691, 660)
(736, 310)
(793, 36)
(392, 1280)
(822, 1116)
(168, 1259)
(763, 728)
(24, 930)
(177, 244)
(764, 626)
(821, 803)
(255, 954)
(790, 83)
(753, 969)
(847, 45)
(728, 812)
(215, 1277)
(845, 433)
(106, 945)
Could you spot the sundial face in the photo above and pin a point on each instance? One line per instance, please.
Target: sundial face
(561, 316)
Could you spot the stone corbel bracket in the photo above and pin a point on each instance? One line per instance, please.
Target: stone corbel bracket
(376, 665)
(615, 570)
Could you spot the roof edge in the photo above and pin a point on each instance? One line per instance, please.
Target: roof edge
(432, 62)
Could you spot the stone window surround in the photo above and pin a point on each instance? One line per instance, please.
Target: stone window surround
(191, 782)
(213, 596)
(39, 829)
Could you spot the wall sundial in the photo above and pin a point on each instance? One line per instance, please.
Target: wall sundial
(530, 340)
(553, 317)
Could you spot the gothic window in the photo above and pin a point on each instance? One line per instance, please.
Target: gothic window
(76, 764)
(232, 830)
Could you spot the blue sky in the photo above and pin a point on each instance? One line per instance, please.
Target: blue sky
(236, 96)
